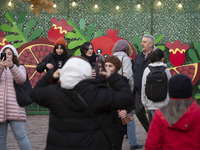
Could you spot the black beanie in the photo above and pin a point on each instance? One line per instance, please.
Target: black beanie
(180, 86)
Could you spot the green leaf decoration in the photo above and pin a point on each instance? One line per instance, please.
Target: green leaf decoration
(158, 38)
(197, 46)
(138, 41)
(192, 54)
(78, 36)
(197, 96)
(19, 35)
(161, 47)
(97, 34)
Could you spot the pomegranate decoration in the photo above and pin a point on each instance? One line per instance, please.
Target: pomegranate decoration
(177, 52)
(104, 44)
(59, 29)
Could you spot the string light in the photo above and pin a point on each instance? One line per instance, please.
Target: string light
(9, 3)
(96, 5)
(180, 4)
(117, 7)
(73, 3)
(31, 7)
(54, 5)
(159, 3)
(138, 5)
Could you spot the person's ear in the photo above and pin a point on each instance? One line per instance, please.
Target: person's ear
(162, 60)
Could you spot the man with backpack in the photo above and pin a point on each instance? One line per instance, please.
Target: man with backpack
(141, 62)
(155, 79)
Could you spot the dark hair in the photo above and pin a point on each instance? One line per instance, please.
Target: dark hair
(15, 58)
(85, 47)
(156, 55)
(65, 50)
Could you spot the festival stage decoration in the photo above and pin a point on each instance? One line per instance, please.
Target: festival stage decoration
(177, 52)
(59, 29)
(32, 48)
(17, 33)
(104, 44)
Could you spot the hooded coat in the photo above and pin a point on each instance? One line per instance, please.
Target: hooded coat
(70, 126)
(175, 126)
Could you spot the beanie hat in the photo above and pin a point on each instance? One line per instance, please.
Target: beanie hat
(12, 48)
(121, 45)
(115, 61)
(61, 41)
(180, 86)
(74, 71)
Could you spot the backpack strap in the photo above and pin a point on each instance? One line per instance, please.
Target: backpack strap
(122, 65)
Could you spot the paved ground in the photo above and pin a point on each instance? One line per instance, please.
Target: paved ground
(36, 130)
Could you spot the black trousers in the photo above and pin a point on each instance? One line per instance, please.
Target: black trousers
(140, 112)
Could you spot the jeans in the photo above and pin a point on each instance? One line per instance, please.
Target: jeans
(132, 140)
(19, 133)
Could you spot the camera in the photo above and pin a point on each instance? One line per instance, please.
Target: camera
(3, 55)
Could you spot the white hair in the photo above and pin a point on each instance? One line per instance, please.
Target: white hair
(150, 37)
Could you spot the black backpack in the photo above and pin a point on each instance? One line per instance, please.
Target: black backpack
(156, 84)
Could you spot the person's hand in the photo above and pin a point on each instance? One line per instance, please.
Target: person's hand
(2, 63)
(122, 114)
(106, 73)
(56, 74)
(49, 66)
(93, 76)
(9, 63)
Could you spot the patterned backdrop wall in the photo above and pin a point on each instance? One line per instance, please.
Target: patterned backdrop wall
(166, 22)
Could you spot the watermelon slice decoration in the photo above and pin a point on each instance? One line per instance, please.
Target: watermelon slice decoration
(31, 53)
(191, 70)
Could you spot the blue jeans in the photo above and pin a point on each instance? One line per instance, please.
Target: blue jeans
(19, 133)
(132, 140)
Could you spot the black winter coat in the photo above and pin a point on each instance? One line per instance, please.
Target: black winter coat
(70, 126)
(53, 59)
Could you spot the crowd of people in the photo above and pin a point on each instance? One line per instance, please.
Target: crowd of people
(92, 101)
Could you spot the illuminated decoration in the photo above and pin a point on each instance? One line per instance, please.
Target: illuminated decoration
(59, 29)
(96, 6)
(31, 7)
(104, 44)
(117, 7)
(74, 4)
(139, 6)
(180, 5)
(177, 52)
(54, 5)
(159, 3)
(9, 3)
(39, 5)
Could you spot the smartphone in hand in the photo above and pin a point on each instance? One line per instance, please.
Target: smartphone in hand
(3, 55)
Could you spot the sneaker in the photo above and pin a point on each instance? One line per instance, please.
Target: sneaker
(136, 147)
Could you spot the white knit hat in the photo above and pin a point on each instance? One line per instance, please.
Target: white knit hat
(12, 48)
(74, 71)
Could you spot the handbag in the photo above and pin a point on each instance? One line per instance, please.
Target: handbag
(127, 119)
(23, 92)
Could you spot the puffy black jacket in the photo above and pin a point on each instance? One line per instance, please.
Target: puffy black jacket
(53, 59)
(70, 126)
(140, 64)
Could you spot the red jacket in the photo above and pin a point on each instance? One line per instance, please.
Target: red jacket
(175, 126)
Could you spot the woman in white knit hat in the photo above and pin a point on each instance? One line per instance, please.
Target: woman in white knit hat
(10, 112)
(71, 125)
